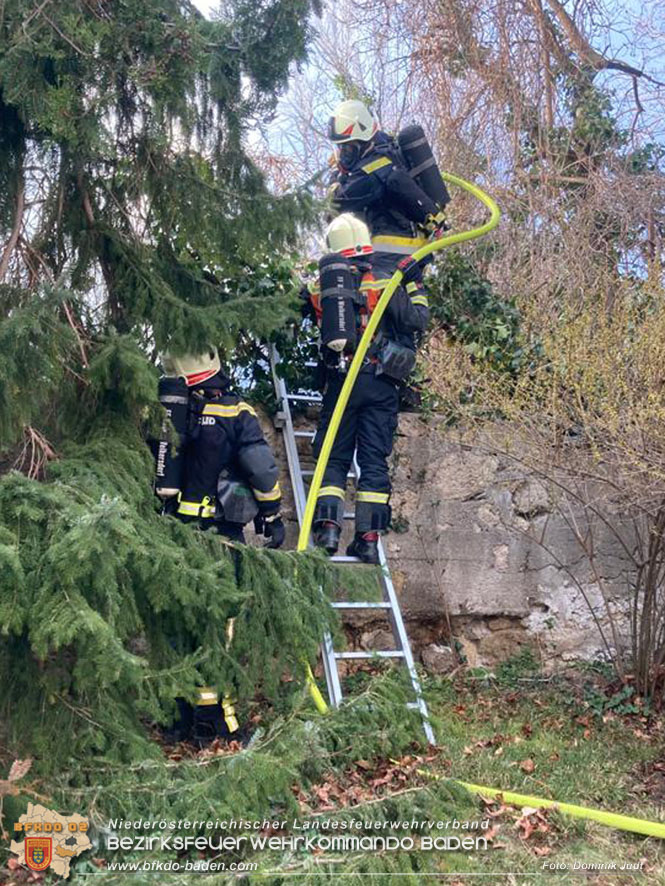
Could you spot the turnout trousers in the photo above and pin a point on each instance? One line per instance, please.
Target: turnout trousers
(368, 425)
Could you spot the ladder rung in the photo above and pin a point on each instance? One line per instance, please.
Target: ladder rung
(390, 653)
(389, 607)
(309, 398)
(308, 473)
(350, 605)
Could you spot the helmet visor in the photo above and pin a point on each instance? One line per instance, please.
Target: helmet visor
(340, 137)
(333, 136)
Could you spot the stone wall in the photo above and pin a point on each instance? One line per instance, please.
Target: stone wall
(467, 563)
(484, 550)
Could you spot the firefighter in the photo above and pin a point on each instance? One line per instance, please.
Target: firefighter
(228, 476)
(341, 305)
(222, 476)
(401, 205)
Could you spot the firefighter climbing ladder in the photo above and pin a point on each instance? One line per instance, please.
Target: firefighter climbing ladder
(306, 513)
(307, 502)
(389, 605)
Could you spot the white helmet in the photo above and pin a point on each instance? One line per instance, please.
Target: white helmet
(348, 235)
(194, 368)
(351, 121)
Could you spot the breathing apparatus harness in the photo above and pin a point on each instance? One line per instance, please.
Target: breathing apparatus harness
(185, 398)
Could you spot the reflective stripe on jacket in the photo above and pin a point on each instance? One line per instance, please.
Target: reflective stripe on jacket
(224, 427)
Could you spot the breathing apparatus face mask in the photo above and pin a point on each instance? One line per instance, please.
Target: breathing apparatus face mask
(348, 153)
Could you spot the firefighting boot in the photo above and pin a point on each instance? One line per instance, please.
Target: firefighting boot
(365, 546)
(181, 730)
(326, 535)
(211, 719)
(208, 724)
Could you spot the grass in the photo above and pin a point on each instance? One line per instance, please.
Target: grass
(544, 738)
(560, 738)
(578, 758)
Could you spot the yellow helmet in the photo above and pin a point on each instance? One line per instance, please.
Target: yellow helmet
(194, 368)
(349, 236)
(351, 121)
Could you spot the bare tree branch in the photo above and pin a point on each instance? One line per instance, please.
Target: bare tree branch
(16, 230)
(587, 53)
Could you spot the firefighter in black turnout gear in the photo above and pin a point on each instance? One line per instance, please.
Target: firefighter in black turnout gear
(341, 305)
(394, 185)
(225, 474)
(221, 476)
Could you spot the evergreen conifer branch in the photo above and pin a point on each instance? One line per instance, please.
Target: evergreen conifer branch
(132, 219)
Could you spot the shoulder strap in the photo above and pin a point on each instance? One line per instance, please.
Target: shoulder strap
(372, 292)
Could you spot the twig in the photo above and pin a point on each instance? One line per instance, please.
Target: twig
(35, 13)
(66, 308)
(41, 452)
(65, 37)
(565, 568)
(586, 544)
(587, 52)
(638, 105)
(375, 801)
(13, 239)
(70, 320)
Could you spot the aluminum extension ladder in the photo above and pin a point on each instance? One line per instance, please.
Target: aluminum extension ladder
(390, 603)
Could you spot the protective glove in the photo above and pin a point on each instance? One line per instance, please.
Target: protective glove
(410, 268)
(275, 531)
(271, 528)
(435, 224)
(331, 192)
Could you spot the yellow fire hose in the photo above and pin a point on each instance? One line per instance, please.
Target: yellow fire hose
(610, 819)
(366, 340)
(354, 369)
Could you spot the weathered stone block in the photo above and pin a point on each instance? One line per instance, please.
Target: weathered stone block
(531, 498)
(501, 645)
(438, 659)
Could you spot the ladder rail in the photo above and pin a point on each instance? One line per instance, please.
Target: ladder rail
(300, 497)
(292, 457)
(399, 630)
(328, 656)
(390, 605)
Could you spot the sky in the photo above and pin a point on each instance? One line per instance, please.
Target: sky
(206, 5)
(634, 33)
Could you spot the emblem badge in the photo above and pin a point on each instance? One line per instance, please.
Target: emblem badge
(38, 852)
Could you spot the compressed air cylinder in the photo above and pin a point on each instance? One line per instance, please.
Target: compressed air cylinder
(421, 164)
(338, 297)
(174, 397)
